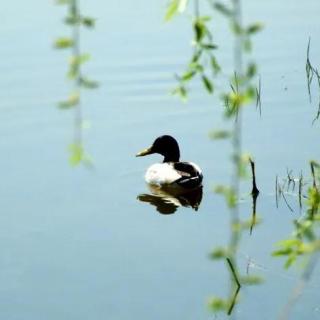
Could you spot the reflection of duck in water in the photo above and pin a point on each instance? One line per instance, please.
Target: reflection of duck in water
(167, 202)
(172, 179)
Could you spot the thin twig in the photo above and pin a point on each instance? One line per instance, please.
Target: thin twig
(300, 190)
(258, 96)
(313, 174)
(277, 203)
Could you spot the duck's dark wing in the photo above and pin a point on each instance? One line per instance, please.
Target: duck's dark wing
(191, 176)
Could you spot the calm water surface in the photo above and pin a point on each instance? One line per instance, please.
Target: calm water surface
(76, 243)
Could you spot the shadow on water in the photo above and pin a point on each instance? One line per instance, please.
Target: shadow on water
(168, 201)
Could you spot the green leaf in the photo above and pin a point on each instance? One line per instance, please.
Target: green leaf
(188, 75)
(229, 195)
(196, 56)
(76, 153)
(254, 28)
(207, 83)
(291, 260)
(222, 8)
(89, 84)
(63, 43)
(172, 9)
(197, 67)
(252, 70)
(219, 253)
(199, 30)
(63, 2)
(182, 5)
(236, 28)
(247, 45)
(220, 134)
(209, 46)
(181, 92)
(77, 60)
(217, 304)
(205, 18)
(282, 252)
(214, 65)
(289, 242)
(250, 94)
(71, 20)
(88, 22)
(72, 101)
(251, 280)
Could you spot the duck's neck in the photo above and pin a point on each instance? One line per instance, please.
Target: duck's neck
(172, 157)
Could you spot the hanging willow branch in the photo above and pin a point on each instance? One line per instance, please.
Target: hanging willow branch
(75, 21)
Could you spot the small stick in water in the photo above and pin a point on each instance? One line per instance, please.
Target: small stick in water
(255, 190)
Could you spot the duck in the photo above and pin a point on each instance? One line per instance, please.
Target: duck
(171, 174)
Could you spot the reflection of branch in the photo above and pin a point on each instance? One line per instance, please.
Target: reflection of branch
(279, 192)
(297, 290)
(234, 274)
(255, 193)
(287, 203)
(254, 211)
(313, 174)
(233, 301)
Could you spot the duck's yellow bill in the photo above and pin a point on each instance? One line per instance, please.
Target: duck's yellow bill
(144, 152)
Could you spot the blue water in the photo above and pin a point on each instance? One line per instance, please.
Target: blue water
(75, 243)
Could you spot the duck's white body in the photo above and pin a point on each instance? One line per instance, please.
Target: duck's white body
(165, 174)
(160, 174)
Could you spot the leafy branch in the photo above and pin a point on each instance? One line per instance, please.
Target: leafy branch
(75, 21)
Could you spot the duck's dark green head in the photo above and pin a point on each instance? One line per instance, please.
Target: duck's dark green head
(166, 146)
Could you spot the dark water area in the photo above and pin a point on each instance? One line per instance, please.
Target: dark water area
(76, 243)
